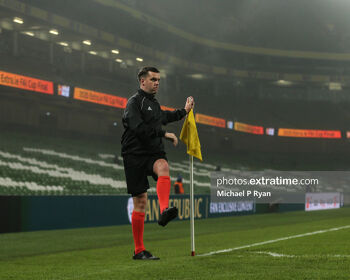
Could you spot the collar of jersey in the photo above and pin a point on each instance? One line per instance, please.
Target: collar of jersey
(147, 95)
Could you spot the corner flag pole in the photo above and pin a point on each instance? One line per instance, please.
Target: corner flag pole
(192, 207)
(189, 136)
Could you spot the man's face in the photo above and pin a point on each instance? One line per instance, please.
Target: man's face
(150, 83)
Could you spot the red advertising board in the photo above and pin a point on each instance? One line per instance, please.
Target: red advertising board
(99, 98)
(208, 120)
(165, 108)
(309, 133)
(248, 128)
(24, 82)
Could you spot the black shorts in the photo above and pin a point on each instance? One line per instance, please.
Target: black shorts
(137, 168)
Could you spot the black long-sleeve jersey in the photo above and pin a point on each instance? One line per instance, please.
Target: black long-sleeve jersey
(142, 120)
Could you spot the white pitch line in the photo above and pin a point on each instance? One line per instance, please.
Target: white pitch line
(273, 241)
(272, 254)
(277, 255)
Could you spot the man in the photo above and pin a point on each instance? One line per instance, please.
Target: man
(178, 186)
(143, 153)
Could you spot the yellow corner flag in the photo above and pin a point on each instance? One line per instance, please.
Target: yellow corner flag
(189, 136)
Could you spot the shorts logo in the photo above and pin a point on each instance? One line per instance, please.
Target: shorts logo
(149, 108)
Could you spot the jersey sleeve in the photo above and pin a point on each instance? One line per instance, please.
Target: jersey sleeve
(172, 116)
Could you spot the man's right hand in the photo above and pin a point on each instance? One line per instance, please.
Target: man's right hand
(189, 104)
(172, 137)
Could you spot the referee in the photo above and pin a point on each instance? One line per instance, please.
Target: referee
(143, 153)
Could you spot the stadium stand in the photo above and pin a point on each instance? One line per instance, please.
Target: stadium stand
(55, 166)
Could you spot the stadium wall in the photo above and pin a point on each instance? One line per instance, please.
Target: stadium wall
(31, 213)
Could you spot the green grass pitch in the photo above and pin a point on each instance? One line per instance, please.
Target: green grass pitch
(105, 252)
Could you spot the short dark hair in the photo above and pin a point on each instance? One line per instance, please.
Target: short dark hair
(144, 71)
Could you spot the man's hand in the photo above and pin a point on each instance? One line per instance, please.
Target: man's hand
(189, 104)
(172, 137)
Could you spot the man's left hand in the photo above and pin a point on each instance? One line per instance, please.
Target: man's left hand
(172, 137)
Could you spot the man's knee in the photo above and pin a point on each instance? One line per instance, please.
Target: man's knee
(161, 167)
(140, 202)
